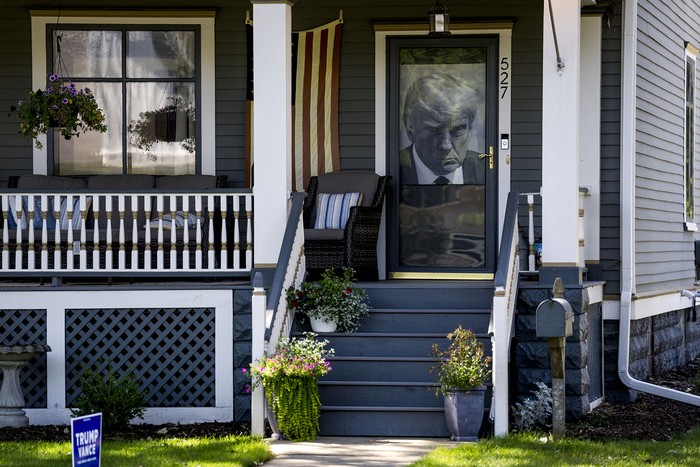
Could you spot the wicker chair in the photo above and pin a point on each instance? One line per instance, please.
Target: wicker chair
(356, 245)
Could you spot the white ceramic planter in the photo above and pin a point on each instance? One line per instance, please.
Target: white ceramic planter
(320, 325)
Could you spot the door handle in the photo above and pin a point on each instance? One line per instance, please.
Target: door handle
(489, 155)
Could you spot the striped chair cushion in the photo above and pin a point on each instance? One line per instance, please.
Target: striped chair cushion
(333, 209)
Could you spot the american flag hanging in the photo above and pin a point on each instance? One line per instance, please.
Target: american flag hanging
(315, 93)
(315, 78)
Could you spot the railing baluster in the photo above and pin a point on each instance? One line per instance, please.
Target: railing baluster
(198, 211)
(249, 230)
(109, 260)
(223, 207)
(531, 232)
(96, 232)
(31, 257)
(18, 234)
(186, 234)
(173, 231)
(82, 212)
(70, 259)
(236, 231)
(57, 232)
(44, 233)
(210, 245)
(147, 250)
(135, 232)
(5, 232)
(121, 254)
(159, 257)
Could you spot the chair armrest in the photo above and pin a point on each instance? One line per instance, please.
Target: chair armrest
(362, 232)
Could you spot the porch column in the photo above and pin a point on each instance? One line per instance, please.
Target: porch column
(272, 123)
(560, 141)
(591, 38)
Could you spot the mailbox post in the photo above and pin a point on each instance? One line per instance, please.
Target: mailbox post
(554, 320)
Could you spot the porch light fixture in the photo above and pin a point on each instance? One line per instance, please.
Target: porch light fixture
(439, 18)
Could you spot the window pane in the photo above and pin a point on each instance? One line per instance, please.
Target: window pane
(89, 54)
(161, 126)
(94, 152)
(160, 54)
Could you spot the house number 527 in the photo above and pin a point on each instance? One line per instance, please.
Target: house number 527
(505, 76)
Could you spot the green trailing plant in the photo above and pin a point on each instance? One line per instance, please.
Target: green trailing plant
(462, 366)
(533, 413)
(60, 105)
(332, 298)
(290, 378)
(119, 398)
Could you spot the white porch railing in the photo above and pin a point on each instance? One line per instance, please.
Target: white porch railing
(531, 262)
(68, 233)
(503, 314)
(271, 319)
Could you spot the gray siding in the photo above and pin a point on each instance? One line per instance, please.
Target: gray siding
(15, 81)
(610, 156)
(664, 251)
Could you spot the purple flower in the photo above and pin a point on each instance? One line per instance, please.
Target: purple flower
(72, 92)
(243, 370)
(55, 107)
(53, 77)
(65, 100)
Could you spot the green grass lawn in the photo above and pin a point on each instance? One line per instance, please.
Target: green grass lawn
(530, 450)
(228, 451)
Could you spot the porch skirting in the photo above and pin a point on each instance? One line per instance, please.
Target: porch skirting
(184, 346)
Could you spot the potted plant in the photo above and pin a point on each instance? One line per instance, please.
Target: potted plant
(60, 105)
(290, 378)
(462, 371)
(331, 303)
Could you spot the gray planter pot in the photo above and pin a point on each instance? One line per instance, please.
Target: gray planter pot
(464, 412)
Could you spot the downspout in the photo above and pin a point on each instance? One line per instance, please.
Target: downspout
(627, 211)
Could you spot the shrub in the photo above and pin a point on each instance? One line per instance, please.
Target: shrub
(462, 367)
(118, 397)
(533, 414)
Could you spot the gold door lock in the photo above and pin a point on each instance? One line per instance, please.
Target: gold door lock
(489, 155)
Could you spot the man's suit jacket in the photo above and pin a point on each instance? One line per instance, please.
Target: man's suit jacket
(473, 168)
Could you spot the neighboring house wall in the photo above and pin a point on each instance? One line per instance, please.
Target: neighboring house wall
(610, 154)
(664, 251)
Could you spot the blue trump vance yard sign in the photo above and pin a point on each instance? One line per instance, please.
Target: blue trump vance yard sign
(86, 440)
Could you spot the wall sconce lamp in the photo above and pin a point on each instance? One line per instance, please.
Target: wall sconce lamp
(439, 17)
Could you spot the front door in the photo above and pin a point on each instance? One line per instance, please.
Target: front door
(442, 213)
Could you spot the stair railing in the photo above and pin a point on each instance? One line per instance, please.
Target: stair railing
(502, 314)
(271, 319)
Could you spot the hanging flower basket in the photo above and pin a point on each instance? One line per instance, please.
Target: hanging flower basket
(60, 105)
(161, 126)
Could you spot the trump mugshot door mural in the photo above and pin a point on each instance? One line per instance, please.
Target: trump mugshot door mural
(442, 122)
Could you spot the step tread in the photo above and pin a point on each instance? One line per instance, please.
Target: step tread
(377, 383)
(380, 359)
(415, 311)
(435, 335)
(370, 408)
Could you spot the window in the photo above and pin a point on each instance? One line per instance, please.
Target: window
(153, 77)
(689, 149)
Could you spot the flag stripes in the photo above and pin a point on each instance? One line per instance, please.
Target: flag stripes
(316, 146)
(316, 77)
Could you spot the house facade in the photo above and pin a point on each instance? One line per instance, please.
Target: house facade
(587, 107)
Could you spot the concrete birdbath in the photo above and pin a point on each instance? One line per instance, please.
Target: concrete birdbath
(12, 359)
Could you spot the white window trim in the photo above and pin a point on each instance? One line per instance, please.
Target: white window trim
(690, 52)
(204, 19)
